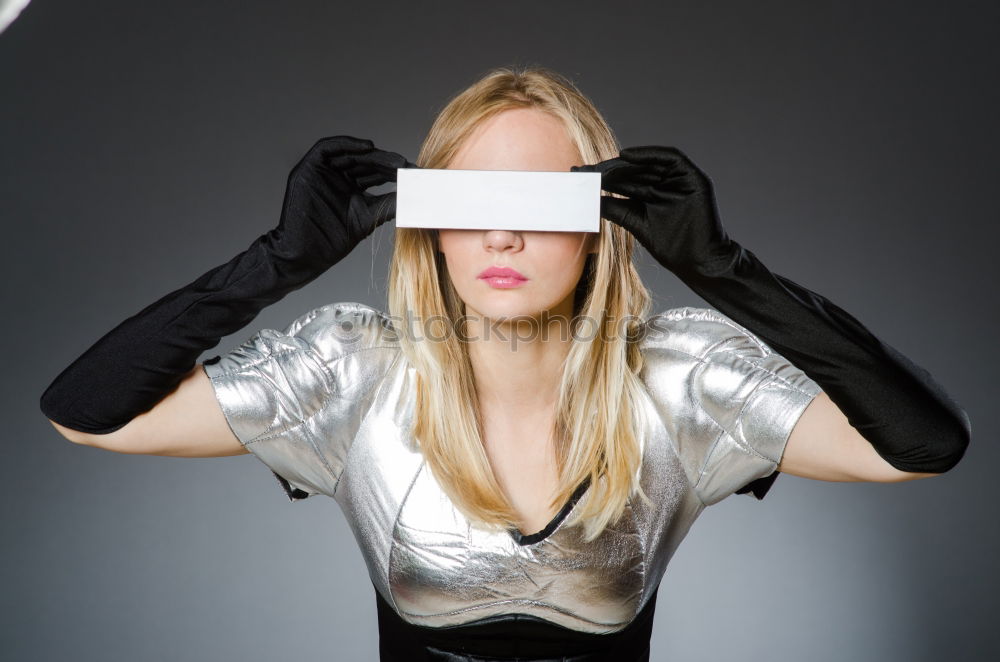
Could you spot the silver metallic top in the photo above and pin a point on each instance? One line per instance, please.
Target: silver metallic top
(327, 403)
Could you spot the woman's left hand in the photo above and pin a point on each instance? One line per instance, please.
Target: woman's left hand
(670, 208)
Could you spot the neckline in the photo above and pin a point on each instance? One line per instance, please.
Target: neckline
(533, 538)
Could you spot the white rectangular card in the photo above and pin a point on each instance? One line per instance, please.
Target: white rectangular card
(498, 200)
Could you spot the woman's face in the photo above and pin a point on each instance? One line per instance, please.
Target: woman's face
(551, 262)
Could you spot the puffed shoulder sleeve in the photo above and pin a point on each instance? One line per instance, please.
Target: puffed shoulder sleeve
(295, 398)
(728, 401)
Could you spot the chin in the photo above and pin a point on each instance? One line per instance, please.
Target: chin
(508, 310)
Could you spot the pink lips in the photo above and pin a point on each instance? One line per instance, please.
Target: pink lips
(501, 272)
(502, 277)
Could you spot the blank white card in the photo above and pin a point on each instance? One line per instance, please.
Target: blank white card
(498, 200)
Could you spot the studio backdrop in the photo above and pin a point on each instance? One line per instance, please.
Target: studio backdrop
(852, 147)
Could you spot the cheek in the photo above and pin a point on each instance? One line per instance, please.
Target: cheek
(458, 255)
(562, 261)
(451, 245)
(567, 252)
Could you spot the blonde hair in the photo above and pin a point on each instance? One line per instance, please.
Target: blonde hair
(598, 422)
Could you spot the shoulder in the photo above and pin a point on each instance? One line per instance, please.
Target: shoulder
(337, 330)
(727, 400)
(296, 397)
(701, 356)
(327, 348)
(697, 333)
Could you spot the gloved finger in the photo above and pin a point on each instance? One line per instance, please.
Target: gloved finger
(378, 161)
(383, 207)
(602, 167)
(642, 183)
(332, 146)
(361, 171)
(370, 179)
(330, 153)
(665, 155)
(619, 176)
(634, 174)
(622, 211)
(385, 161)
(672, 159)
(618, 172)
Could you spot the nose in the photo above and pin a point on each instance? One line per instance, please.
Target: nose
(502, 240)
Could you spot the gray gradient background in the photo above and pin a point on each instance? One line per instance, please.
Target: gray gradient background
(852, 146)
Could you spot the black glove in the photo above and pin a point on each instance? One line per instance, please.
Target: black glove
(897, 406)
(325, 214)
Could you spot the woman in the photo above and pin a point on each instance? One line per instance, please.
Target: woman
(516, 490)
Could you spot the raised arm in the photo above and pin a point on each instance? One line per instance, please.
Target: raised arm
(878, 403)
(138, 387)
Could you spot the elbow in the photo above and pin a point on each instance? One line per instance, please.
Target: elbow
(958, 442)
(70, 434)
(85, 432)
(943, 449)
(85, 426)
(947, 451)
(81, 438)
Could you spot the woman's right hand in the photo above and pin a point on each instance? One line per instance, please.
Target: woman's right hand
(327, 210)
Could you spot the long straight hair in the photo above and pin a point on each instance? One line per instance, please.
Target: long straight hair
(599, 419)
